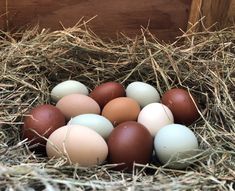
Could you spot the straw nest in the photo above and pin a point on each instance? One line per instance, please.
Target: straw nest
(34, 63)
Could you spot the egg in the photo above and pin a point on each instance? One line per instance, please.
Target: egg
(121, 109)
(66, 88)
(130, 142)
(105, 92)
(96, 122)
(40, 122)
(182, 105)
(155, 116)
(80, 145)
(77, 104)
(173, 143)
(143, 93)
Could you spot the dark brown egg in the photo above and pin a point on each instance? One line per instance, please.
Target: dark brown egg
(42, 121)
(105, 92)
(181, 105)
(130, 142)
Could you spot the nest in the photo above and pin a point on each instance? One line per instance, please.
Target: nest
(204, 64)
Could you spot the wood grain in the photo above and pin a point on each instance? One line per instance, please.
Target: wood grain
(231, 13)
(216, 11)
(195, 15)
(216, 14)
(163, 17)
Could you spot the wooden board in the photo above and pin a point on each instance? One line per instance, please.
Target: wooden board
(231, 13)
(212, 14)
(164, 17)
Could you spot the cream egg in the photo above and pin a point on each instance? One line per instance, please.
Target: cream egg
(154, 116)
(80, 145)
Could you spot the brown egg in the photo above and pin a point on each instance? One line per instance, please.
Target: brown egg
(182, 106)
(77, 104)
(130, 142)
(42, 121)
(105, 92)
(121, 109)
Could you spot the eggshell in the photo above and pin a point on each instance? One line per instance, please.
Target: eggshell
(143, 93)
(175, 142)
(105, 92)
(66, 88)
(182, 105)
(130, 142)
(96, 122)
(42, 121)
(76, 104)
(80, 145)
(155, 116)
(121, 109)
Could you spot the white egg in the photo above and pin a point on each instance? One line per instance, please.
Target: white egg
(155, 116)
(66, 88)
(96, 122)
(143, 93)
(175, 142)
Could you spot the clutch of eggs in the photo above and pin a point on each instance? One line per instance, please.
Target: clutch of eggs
(124, 124)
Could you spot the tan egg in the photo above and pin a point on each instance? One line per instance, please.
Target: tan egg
(81, 145)
(77, 104)
(121, 109)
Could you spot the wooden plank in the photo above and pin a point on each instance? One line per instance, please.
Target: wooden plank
(216, 14)
(3, 13)
(216, 11)
(195, 15)
(231, 14)
(163, 17)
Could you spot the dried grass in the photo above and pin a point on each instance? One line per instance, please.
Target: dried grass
(33, 64)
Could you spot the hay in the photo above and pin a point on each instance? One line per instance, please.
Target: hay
(33, 64)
